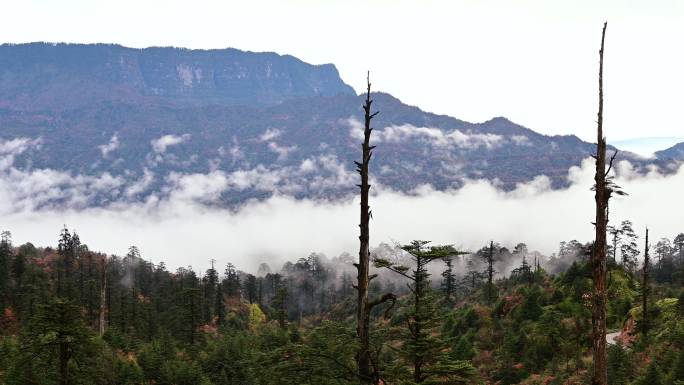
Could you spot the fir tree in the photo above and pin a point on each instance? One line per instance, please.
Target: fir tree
(423, 349)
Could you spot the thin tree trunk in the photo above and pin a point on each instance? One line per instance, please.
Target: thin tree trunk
(418, 320)
(103, 301)
(645, 289)
(366, 372)
(599, 297)
(363, 319)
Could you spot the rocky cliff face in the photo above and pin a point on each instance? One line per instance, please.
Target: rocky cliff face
(64, 76)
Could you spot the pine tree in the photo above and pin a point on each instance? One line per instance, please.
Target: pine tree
(5, 265)
(678, 243)
(652, 375)
(616, 234)
(209, 283)
(678, 370)
(54, 339)
(426, 352)
(473, 276)
(191, 295)
(219, 306)
(488, 257)
(645, 290)
(628, 249)
(231, 281)
(449, 281)
(279, 303)
(251, 288)
(618, 363)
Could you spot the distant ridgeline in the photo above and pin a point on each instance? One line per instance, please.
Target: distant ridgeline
(121, 124)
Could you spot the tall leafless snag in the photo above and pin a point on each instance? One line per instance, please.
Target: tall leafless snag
(645, 290)
(367, 372)
(604, 188)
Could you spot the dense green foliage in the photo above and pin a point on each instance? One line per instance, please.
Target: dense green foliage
(296, 326)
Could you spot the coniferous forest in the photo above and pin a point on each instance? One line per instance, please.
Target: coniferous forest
(73, 316)
(603, 311)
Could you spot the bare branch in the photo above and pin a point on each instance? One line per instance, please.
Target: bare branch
(610, 164)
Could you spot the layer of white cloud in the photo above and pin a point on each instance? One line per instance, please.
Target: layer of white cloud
(282, 151)
(113, 144)
(436, 137)
(140, 185)
(183, 225)
(160, 145)
(270, 134)
(9, 149)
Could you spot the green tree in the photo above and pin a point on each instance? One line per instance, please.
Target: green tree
(463, 350)
(487, 254)
(449, 281)
(219, 305)
(231, 281)
(209, 297)
(618, 364)
(652, 375)
(67, 248)
(5, 266)
(629, 250)
(251, 288)
(679, 245)
(425, 350)
(279, 303)
(678, 370)
(57, 347)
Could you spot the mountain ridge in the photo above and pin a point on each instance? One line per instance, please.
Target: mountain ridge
(675, 152)
(62, 76)
(267, 138)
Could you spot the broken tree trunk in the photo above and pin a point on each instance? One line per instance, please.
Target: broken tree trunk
(645, 290)
(367, 373)
(599, 297)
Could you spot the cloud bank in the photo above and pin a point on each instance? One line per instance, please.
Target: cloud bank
(160, 145)
(182, 225)
(434, 136)
(113, 144)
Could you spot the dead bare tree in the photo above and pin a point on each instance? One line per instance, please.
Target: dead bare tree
(645, 289)
(604, 188)
(367, 373)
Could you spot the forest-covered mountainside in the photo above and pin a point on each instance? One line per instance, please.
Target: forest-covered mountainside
(111, 124)
(72, 316)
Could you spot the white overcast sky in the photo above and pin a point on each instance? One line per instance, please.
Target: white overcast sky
(534, 62)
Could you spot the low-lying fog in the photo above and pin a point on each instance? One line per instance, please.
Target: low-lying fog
(182, 232)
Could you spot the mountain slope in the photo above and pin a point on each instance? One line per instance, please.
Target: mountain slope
(675, 152)
(95, 124)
